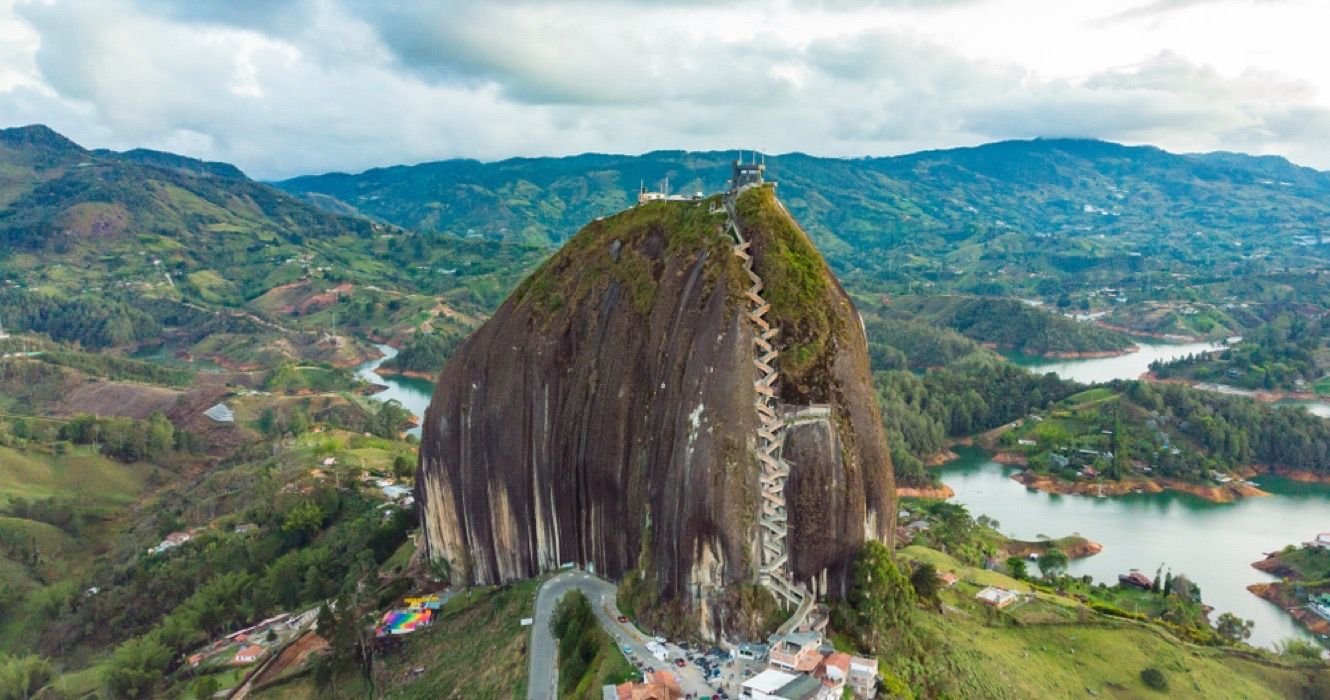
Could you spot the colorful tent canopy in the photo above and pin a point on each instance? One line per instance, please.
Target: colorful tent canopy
(405, 621)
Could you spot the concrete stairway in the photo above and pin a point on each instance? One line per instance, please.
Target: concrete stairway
(773, 530)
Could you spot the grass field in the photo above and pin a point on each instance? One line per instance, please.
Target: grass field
(1052, 646)
(98, 486)
(1104, 659)
(476, 650)
(93, 480)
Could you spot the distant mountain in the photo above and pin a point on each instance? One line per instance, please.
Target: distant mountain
(123, 233)
(171, 161)
(980, 219)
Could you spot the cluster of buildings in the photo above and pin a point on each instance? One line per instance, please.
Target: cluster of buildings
(644, 195)
(1320, 604)
(249, 645)
(802, 666)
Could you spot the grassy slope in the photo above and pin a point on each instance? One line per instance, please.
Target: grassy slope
(691, 229)
(99, 485)
(84, 475)
(476, 650)
(796, 282)
(1053, 647)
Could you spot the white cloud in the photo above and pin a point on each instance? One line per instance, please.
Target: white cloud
(283, 88)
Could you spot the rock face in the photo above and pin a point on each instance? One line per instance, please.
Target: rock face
(605, 414)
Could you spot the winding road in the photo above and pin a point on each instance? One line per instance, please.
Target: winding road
(543, 672)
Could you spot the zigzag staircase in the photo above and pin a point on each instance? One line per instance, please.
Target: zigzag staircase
(773, 530)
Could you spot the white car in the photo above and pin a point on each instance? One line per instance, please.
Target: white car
(660, 640)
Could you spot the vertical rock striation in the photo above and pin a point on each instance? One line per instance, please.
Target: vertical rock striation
(604, 415)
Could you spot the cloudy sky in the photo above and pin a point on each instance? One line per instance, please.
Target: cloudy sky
(289, 87)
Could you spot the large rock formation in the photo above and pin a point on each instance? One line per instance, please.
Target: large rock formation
(605, 414)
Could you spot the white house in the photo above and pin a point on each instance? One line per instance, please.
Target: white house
(779, 685)
(863, 677)
(248, 655)
(997, 597)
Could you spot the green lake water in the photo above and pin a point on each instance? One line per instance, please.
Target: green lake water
(1214, 544)
(1106, 369)
(414, 394)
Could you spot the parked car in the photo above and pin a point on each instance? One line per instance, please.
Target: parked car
(623, 618)
(679, 662)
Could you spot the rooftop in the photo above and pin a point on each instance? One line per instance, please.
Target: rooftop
(769, 681)
(221, 413)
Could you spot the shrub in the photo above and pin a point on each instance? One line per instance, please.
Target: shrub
(1154, 678)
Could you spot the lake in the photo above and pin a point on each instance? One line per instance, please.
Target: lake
(1106, 369)
(1214, 544)
(1133, 365)
(414, 394)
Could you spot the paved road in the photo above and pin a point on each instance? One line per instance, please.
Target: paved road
(543, 673)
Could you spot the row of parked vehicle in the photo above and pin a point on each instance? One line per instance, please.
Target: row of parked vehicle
(709, 661)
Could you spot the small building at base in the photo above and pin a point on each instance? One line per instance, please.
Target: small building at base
(779, 685)
(863, 677)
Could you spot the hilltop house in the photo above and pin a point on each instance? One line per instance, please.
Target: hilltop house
(997, 597)
(173, 540)
(248, 655)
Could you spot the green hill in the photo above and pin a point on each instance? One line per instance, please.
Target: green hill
(111, 249)
(1008, 324)
(993, 219)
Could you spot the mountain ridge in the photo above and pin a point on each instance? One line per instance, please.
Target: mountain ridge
(1020, 210)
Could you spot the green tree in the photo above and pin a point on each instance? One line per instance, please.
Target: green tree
(136, 667)
(1233, 627)
(404, 466)
(206, 687)
(267, 424)
(299, 421)
(22, 677)
(880, 596)
(326, 621)
(304, 519)
(1018, 568)
(1053, 563)
(574, 625)
(924, 579)
(1298, 649)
